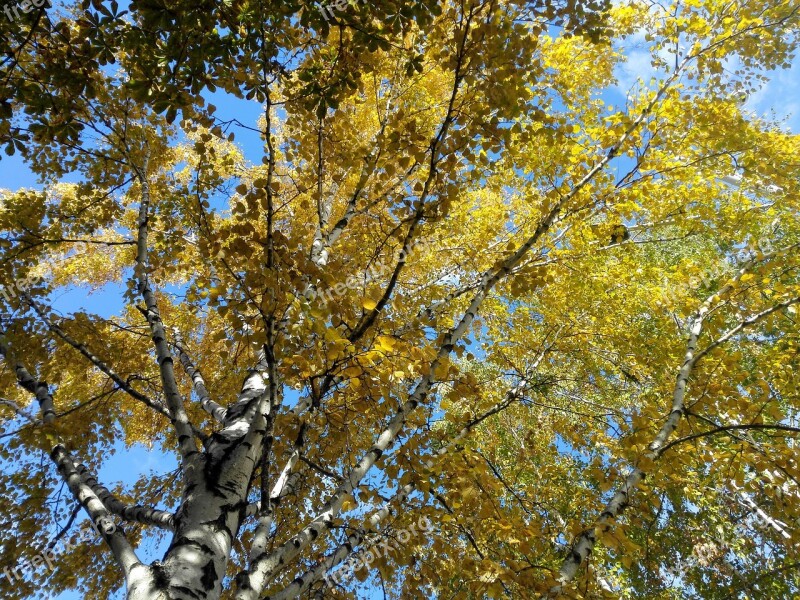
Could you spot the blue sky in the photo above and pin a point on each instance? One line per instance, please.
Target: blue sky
(779, 99)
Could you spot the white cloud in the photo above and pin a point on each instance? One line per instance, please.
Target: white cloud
(638, 65)
(779, 98)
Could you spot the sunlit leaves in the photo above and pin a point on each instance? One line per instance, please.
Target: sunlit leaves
(404, 151)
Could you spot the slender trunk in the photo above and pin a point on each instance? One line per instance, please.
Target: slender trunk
(195, 563)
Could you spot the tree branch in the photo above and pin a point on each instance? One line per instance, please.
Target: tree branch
(174, 401)
(138, 514)
(212, 408)
(96, 361)
(91, 503)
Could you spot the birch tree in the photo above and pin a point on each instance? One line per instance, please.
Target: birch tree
(461, 328)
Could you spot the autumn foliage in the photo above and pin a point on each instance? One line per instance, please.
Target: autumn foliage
(443, 278)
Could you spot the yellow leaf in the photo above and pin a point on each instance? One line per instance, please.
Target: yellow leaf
(385, 343)
(349, 503)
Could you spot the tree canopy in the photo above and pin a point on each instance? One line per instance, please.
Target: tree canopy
(457, 325)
